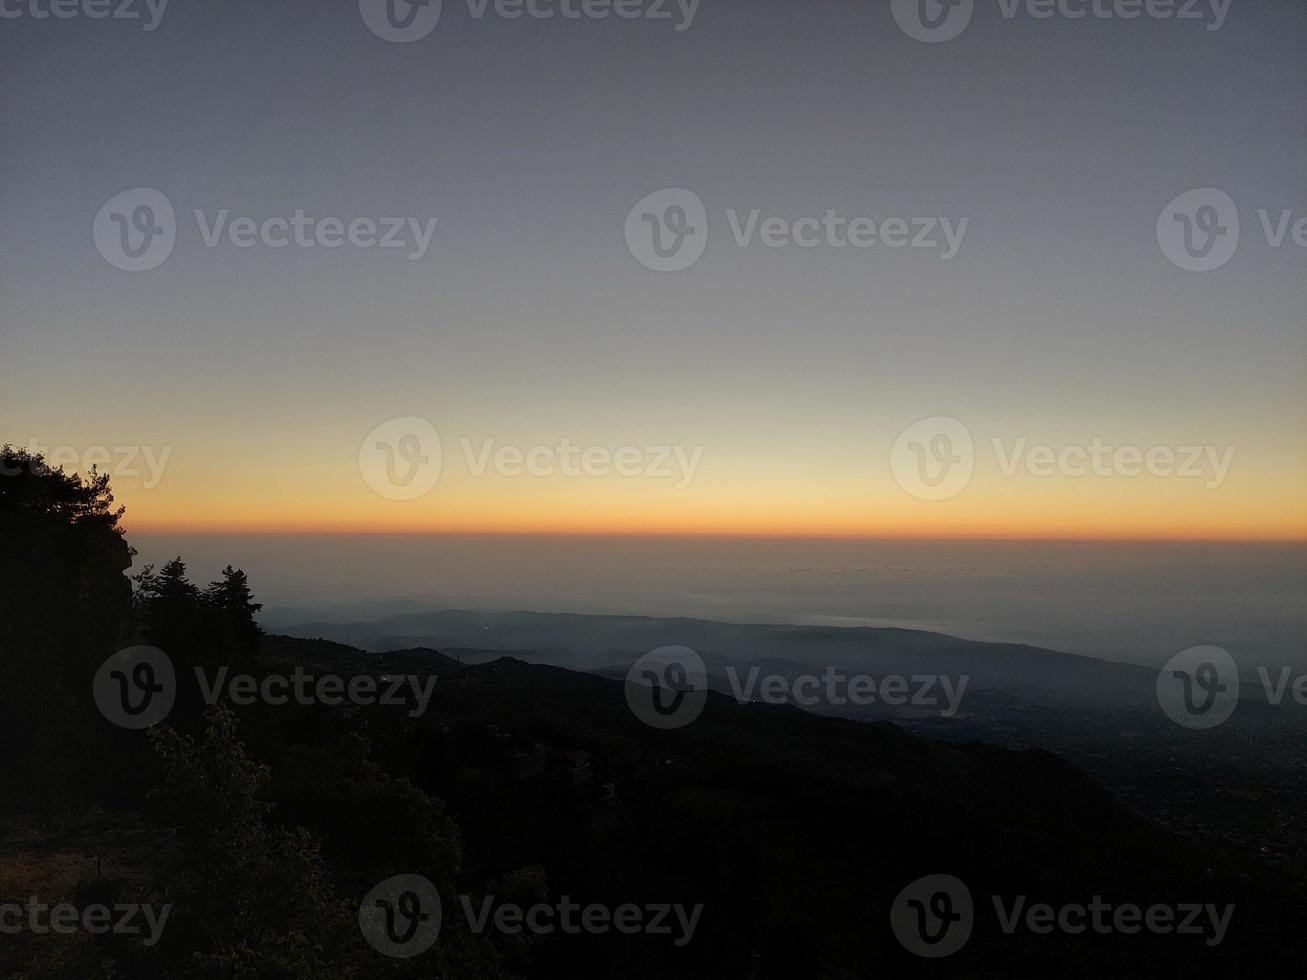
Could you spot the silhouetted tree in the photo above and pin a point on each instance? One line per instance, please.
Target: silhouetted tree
(231, 607)
(63, 602)
(168, 609)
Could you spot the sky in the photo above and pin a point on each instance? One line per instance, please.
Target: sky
(759, 390)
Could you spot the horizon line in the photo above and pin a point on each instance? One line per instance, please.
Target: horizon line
(985, 536)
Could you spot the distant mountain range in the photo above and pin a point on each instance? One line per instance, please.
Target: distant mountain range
(609, 644)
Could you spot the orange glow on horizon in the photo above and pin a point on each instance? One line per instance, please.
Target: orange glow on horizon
(748, 496)
(724, 525)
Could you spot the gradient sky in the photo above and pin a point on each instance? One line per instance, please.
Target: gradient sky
(529, 321)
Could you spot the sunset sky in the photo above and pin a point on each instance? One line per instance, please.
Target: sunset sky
(1060, 321)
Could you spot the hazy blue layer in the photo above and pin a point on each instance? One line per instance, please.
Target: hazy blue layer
(1138, 602)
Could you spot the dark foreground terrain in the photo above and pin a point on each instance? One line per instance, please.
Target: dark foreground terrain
(779, 839)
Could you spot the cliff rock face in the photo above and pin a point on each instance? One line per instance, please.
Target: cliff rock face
(103, 593)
